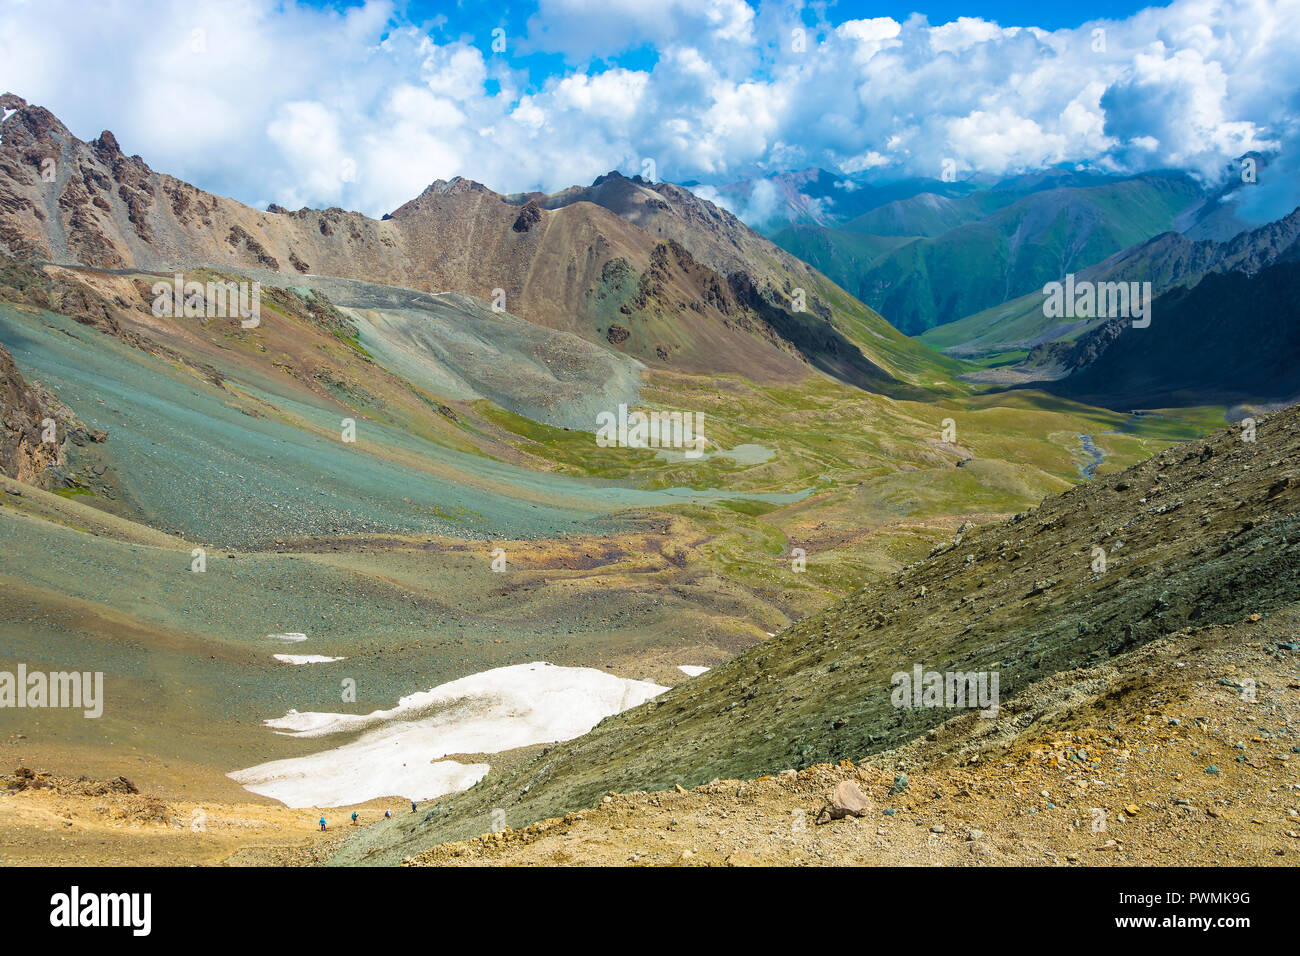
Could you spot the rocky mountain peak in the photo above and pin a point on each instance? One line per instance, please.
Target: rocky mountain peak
(107, 143)
(456, 186)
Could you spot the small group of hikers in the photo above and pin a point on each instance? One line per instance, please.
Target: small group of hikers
(388, 815)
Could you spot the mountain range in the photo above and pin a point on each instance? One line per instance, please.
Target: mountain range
(650, 269)
(1231, 338)
(932, 259)
(1167, 260)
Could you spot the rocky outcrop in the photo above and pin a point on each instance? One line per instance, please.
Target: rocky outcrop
(846, 800)
(530, 216)
(37, 430)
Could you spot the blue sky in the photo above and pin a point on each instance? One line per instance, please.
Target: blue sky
(362, 105)
(474, 17)
(1011, 13)
(476, 20)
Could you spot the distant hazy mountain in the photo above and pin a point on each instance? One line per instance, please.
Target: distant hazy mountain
(1217, 216)
(774, 201)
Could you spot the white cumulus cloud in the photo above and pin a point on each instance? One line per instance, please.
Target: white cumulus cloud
(274, 102)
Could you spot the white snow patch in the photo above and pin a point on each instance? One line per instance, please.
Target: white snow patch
(306, 659)
(400, 750)
(692, 670)
(293, 637)
(374, 767)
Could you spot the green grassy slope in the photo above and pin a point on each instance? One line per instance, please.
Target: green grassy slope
(975, 265)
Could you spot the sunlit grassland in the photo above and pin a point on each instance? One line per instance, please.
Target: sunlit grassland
(882, 485)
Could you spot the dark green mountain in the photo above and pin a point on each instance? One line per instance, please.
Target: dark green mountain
(929, 260)
(1167, 260)
(1231, 338)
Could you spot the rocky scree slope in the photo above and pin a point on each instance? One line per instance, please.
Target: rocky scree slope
(1179, 752)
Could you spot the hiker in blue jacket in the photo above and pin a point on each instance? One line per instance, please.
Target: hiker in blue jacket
(322, 824)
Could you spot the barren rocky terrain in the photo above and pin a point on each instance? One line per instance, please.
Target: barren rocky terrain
(1156, 758)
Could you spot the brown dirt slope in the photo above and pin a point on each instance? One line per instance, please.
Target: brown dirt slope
(83, 821)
